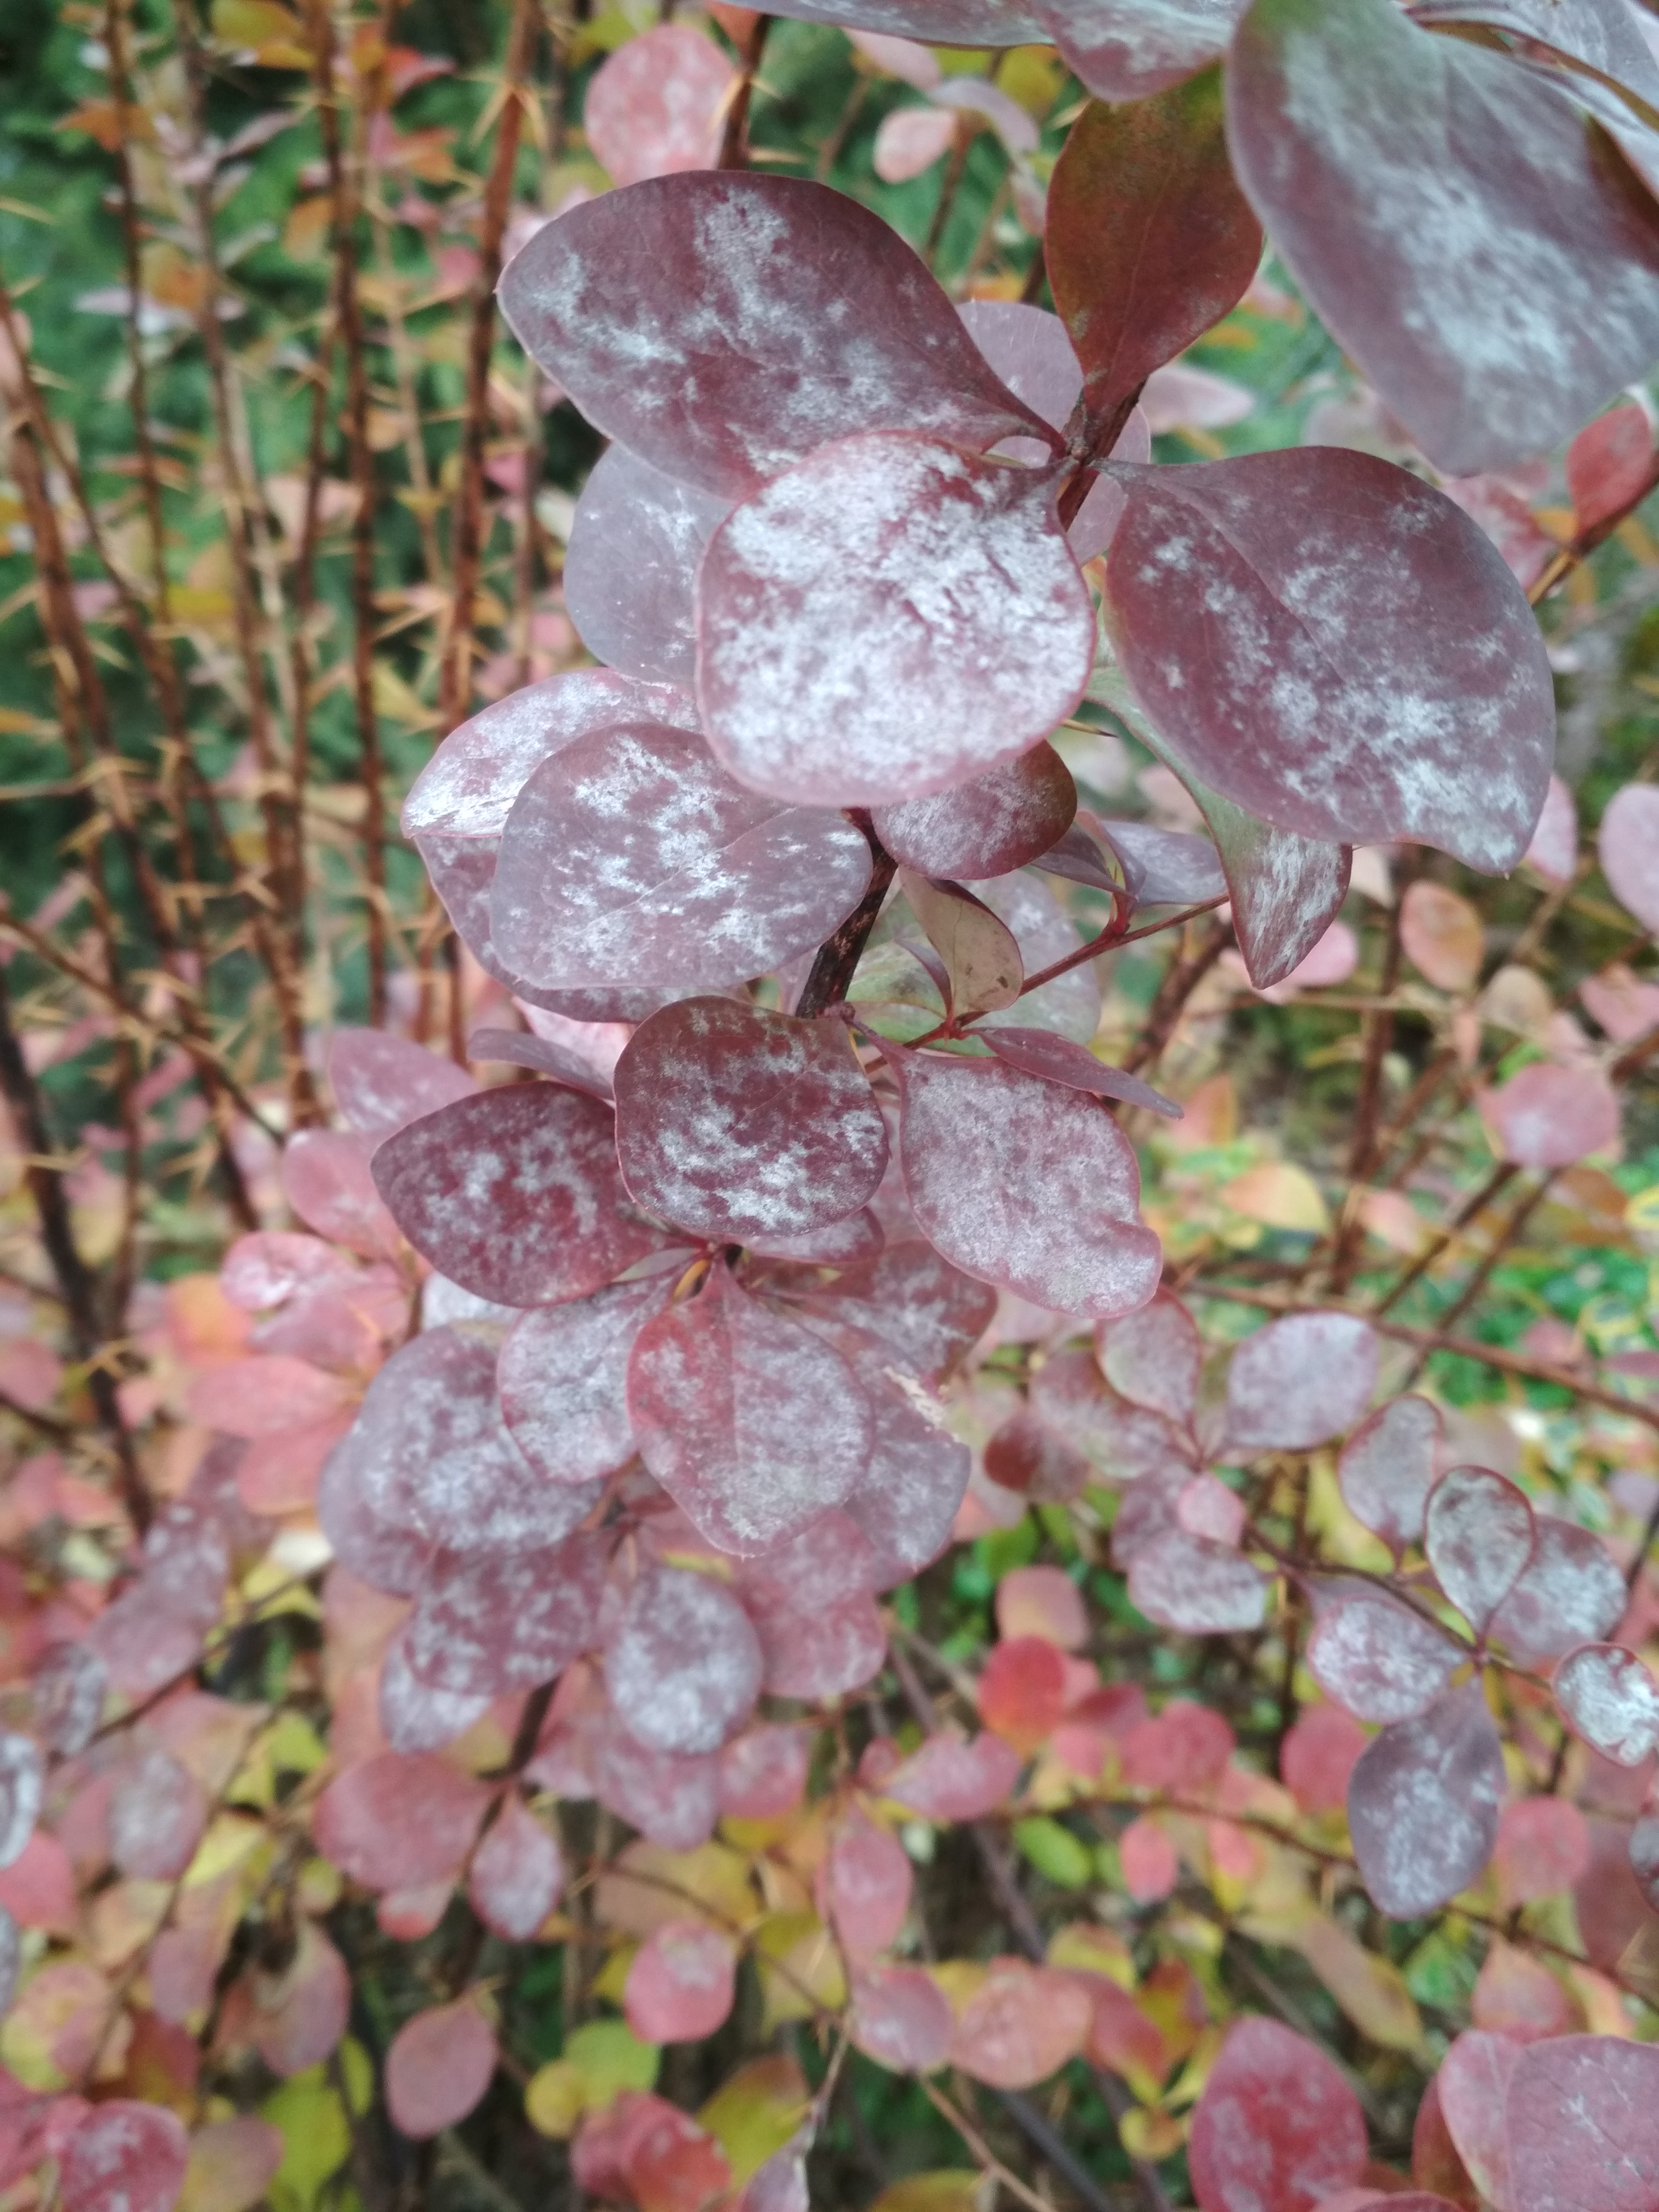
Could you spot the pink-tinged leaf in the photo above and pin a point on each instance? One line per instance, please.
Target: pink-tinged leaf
(1153, 1357)
(818, 679)
(683, 1663)
(1277, 2125)
(953, 1778)
(1643, 1857)
(673, 1799)
(1549, 1116)
(856, 1236)
(631, 860)
(22, 1776)
(1380, 1659)
(1286, 890)
(824, 1654)
(791, 316)
(1517, 1997)
(1554, 852)
(562, 1375)
(390, 1822)
(1471, 2088)
(301, 2016)
(380, 1081)
(1610, 466)
(732, 1121)
(438, 2069)
(997, 822)
(485, 1624)
(1543, 1849)
(1058, 1059)
(1022, 1690)
(1621, 1003)
(1435, 2163)
(902, 2018)
(1299, 1381)
(1044, 932)
(764, 1772)
(1026, 1457)
(937, 22)
(1478, 1533)
(233, 2163)
(1180, 249)
(656, 106)
(865, 1884)
(1122, 1443)
(923, 1312)
(261, 1397)
(1583, 2114)
(1021, 2025)
(1318, 1755)
(910, 139)
(980, 958)
(631, 564)
(1416, 187)
(1423, 1805)
(907, 1500)
(642, 2151)
(1603, 38)
(1198, 1587)
(123, 2157)
(1628, 842)
(681, 1984)
(272, 1266)
(515, 1195)
(1163, 867)
(1129, 50)
(1025, 1183)
(1207, 1507)
(1571, 1592)
(902, 58)
(467, 789)
(1387, 1470)
(1042, 1601)
(1148, 1861)
(68, 1687)
(1611, 1699)
(1423, 708)
(753, 1426)
(519, 1049)
(39, 1888)
(327, 1181)
(156, 1816)
(517, 1873)
(1442, 936)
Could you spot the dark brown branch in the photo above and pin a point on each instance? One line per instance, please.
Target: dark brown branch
(839, 955)
(734, 139)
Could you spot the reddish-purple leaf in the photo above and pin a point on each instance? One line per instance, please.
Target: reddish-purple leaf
(1471, 2088)
(1057, 1059)
(1423, 1804)
(413, 1715)
(1610, 466)
(262, 1397)
(1181, 246)
(467, 789)
(843, 1244)
(937, 22)
(1381, 1660)
(1549, 1116)
(517, 1873)
(68, 1687)
(1153, 1358)
(681, 1984)
(902, 2018)
(656, 105)
(923, 1312)
(380, 1081)
(123, 2157)
(391, 1822)
(888, 618)
(519, 1049)
(1570, 1592)
(753, 1425)
(157, 1816)
(1198, 1587)
(1387, 1470)
(1621, 1003)
(672, 1799)
(1070, 1004)
(1025, 1455)
(1583, 2114)
(1318, 1756)
(997, 822)
(1602, 37)
(631, 860)
(1021, 2024)
(1644, 1856)
(23, 1775)
(1163, 867)
(735, 1122)
(722, 326)
(910, 139)
(1129, 50)
(1478, 1532)
(515, 1195)
(1123, 1443)
(631, 564)
(438, 2069)
(487, 1623)
(1611, 1699)
(1543, 1849)
(682, 1664)
(952, 1778)
(1369, 669)
(1553, 851)
(764, 1772)
(1416, 187)
(1022, 1690)
(1518, 1997)
(1300, 1381)
(1277, 2125)
(978, 961)
(865, 1887)
(562, 1375)
(1025, 1183)
(1629, 849)
(326, 1179)
(907, 1499)
(821, 1654)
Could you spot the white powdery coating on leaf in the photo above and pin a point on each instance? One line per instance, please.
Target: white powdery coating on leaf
(951, 1778)
(1381, 1661)
(1129, 49)
(563, 1378)
(416, 1717)
(934, 22)
(907, 1503)
(1546, 1116)
(517, 1874)
(1387, 1470)
(484, 1626)
(1583, 2119)
(673, 1799)
(1153, 1357)
(468, 787)
(1629, 848)
(680, 1984)
(654, 107)
(923, 1312)
(902, 2018)
(1197, 1586)
(1027, 1184)
(633, 861)
(1610, 1698)
(22, 1777)
(1286, 890)
(1571, 1592)
(1020, 2024)
(1478, 1531)
(157, 1816)
(1277, 2126)
(1070, 1004)
(1424, 1800)
(1300, 1381)
(683, 1665)
(889, 617)
(124, 2157)
(380, 1081)
(631, 565)
(996, 822)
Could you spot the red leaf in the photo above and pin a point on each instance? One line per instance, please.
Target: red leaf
(1345, 713)
(156, 1816)
(1317, 1758)
(732, 1121)
(487, 1624)
(683, 1663)
(515, 1195)
(906, 1502)
(902, 2018)
(1629, 848)
(394, 1823)
(631, 564)
(299, 2020)
(631, 860)
(380, 1081)
(820, 680)
(1571, 1592)
(1285, 891)
(656, 106)
(1147, 1858)
(1042, 1601)
(1423, 1805)
(1180, 250)
(1022, 1690)
(1183, 1751)
(997, 822)
(821, 1654)
(1197, 1586)
(327, 1181)
(1025, 1183)
(1471, 2088)
(856, 1236)
(723, 326)
(1039, 1052)
(1416, 187)
(764, 1772)
(438, 2069)
(1276, 2125)
(263, 1396)
(1546, 1116)
(1583, 2113)
(951, 1778)
(1478, 1535)
(1124, 49)
(923, 1312)
(562, 1375)
(681, 1983)
(1603, 38)
(866, 1884)
(1543, 1849)
(517, 1873)
(1020, 2024)
(1381, 1660)
(123, 2157)
(1611, 1699)
(753, 1426)
(1299, 1381)
(1554, 852)
(1610, 466)
(1387, 1470)
(1153, 1358)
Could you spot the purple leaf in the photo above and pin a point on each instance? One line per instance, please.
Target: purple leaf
(753, 1426)
(519, 1049)
(23, 1775)
(515, 1195)
(1583, 2113)
(1478, 1531)
(672, 1799)
(1423, 1805)
(413, 1715)
(856, 1236)
(1300, 1381)
(380, 1081)
(1040, 1052)
(722, 326)
(1163, 867)
(1081, 857)
(1599, 33)
(1387, 1470)
(1025, 1455)
(1571, 1592)
(866, 1885)
(1025, 1183)
(809, 1600)
(562, 1374)
(1070, 1004)
(1277, 2125)
(936, 22)
(1336, 648)
(1124, 1443)
(980, 960)
(902, 2018)
(923, 1312)
(631, 860)
(631, 564)
(1154, 1358)
(734, 1122)
(986, 828)
(1417, 187)
(485, 1626)
(891, 617)
(1629, 848)
(1611, 1699)
(1380, 1660)
(1197, 1586)
(682, 1664)
(907, 1499)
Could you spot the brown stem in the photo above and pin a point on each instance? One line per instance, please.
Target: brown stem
(839, 955)
(1164, 1017)
(1483, 1274)
(734, 139)
(1504, 1173)
(956, 169)
(1368, 1105)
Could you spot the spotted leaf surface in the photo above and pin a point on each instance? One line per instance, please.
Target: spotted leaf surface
(1570, 1592)
(517, 1873)
(866, 1885)
(1583, 2114)
(1478, 1535)
(1381, 1660)
(996, 822)
(682, 1664)
(1153, 1358)
(1610, 1698)
(487, 1624)
(562, 1375)
(1021, 2024)
(1423, 1804)
(1299, 1381)
(1386, 1469)
(681, 1983)
(902, 2018)
(1277, 2124)
(381, 1081)
(923, 1312)
(631, 565)
(123, 2157)
(1197, 1586)
(656, 106)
